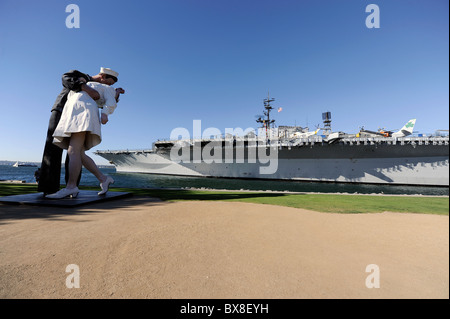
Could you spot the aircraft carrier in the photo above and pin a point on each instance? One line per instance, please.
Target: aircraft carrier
(297, 154)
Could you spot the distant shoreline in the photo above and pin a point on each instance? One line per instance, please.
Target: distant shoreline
(11, 163)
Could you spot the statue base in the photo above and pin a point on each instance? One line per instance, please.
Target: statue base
(84, 197)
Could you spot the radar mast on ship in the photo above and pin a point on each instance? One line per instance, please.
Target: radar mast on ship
(267, 123)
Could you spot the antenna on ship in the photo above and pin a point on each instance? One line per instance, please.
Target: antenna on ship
(267, 122)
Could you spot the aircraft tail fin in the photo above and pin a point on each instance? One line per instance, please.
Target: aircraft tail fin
(406, 130)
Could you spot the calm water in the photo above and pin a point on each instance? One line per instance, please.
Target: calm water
(135, 180)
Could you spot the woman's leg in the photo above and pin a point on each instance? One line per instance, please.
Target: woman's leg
(104, 180)
(74, 151)
(92, 167)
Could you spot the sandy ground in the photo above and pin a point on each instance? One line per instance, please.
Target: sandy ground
(144, 248)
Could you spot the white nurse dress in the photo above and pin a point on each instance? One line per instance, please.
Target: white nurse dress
(80, 114)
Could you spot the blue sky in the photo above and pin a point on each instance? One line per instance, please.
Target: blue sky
(215, 60)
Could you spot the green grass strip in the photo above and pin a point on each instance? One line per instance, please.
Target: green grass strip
(334, 203)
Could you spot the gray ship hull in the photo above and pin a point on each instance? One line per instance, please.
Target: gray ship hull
(407, 161)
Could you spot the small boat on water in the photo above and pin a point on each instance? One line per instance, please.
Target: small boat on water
(17, 164)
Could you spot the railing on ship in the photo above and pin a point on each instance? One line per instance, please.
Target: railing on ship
(293, 142)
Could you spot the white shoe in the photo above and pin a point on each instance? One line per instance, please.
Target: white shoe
(105, 185)
(65, 192)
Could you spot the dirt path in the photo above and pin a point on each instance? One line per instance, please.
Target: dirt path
(144, 248)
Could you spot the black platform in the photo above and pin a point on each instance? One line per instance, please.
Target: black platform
(83, 198)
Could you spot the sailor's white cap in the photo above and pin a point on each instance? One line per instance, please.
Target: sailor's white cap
(109, 72)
